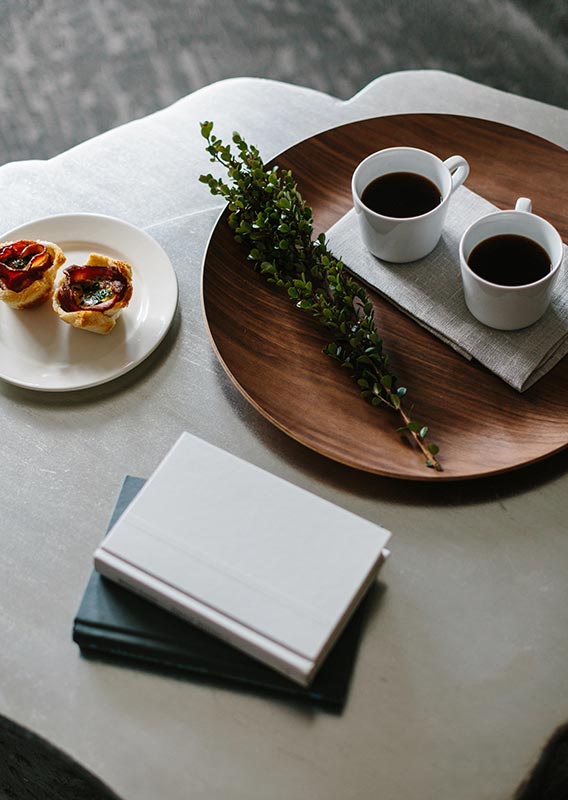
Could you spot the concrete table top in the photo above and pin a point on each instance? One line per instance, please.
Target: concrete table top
(461, 675)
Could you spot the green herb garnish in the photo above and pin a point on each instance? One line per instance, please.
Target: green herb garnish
(270, 217)
(19, 263)
(91, 293)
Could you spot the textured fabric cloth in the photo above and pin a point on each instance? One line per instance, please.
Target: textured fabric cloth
(430, 291)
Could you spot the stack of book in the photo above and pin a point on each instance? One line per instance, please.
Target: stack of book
(217, 569)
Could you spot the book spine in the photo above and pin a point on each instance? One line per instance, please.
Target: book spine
(288, 663)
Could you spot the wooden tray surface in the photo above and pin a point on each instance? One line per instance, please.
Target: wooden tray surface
(272, 351)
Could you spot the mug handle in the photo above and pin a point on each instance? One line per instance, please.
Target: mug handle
(459, 168)
(523, 204)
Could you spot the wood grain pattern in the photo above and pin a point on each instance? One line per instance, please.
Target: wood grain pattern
(272, 351)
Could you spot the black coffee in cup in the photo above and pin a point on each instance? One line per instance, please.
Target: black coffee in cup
(401, 194)
(509, 260)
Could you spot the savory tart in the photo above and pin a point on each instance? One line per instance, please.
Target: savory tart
(92, 296)
(27, 271)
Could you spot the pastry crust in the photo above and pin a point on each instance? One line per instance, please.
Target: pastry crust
(39, 289)
(97, 317)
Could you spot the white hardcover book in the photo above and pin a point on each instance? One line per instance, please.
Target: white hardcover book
(270, 568)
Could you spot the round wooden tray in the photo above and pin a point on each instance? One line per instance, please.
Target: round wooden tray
(272, 351)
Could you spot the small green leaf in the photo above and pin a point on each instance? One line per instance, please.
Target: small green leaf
(206, 128)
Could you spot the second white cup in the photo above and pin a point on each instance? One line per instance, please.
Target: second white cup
(405, 238)
(515, 303)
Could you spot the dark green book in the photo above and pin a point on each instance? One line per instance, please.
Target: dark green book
(114, 623)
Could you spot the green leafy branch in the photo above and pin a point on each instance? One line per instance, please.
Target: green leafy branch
(270, 218)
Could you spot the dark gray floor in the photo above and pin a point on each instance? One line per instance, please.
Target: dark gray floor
(71, 69)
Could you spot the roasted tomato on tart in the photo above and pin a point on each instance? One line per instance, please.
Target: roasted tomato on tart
(91, 296)
(27, 271)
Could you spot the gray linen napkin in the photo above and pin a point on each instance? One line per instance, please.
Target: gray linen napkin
(430, 291)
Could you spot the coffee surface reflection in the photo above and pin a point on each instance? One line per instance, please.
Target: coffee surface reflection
(401, 195)
(509, 260)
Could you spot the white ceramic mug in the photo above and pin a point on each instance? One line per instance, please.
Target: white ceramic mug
(509, 308)
(402, 239)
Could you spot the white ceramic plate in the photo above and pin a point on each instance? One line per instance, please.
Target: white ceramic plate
(39, 351)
